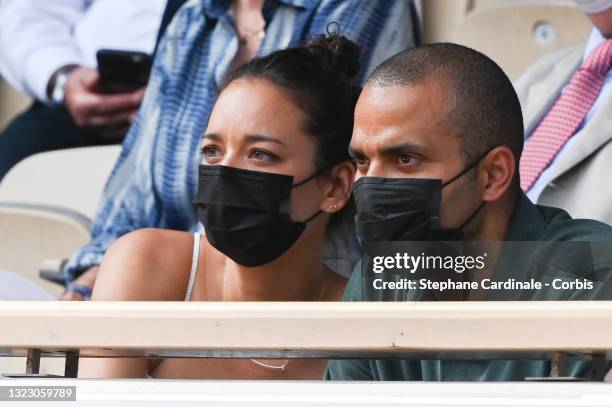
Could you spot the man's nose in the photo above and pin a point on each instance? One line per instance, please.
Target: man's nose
(376, 169)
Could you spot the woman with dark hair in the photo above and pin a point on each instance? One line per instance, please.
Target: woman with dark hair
(275, 172)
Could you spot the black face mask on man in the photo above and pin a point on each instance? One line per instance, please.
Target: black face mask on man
(405, 209)
(246, 213)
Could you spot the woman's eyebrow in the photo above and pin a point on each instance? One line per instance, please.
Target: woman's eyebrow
(211, 136)
(252, 138)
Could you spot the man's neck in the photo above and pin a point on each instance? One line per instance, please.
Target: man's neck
(494, 219)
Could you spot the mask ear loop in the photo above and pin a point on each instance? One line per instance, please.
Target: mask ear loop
(465, 170)
(472, 216)
(313, 216)
(316, 174)
(469, 167)
(313, 176)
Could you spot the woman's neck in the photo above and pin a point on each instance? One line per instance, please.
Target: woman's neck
(297, 275)
(250, 28)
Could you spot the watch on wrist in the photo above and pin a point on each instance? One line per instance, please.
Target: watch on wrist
(57, 85)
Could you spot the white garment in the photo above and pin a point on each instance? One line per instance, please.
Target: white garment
(606, 92)
(39, 36)
(594, 6)
(195, 261)
(16, 287)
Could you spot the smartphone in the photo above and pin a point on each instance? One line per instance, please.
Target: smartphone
(123, 71)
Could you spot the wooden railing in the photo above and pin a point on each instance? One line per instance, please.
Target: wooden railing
(433, 330)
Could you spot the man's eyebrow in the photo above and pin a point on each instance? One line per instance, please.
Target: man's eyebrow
(252, 138)
(393, 149)
(355, 153)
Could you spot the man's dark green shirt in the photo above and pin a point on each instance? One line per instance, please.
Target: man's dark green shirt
(529, 223)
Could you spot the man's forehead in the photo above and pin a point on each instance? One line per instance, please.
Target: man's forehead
(379, 135)
(398, 114)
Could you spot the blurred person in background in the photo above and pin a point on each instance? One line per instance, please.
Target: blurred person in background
(48, 50)
(154, 181)
(566, 98)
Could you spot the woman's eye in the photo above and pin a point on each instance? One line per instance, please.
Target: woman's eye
(407, 159)
(211, 152)
(261, 155)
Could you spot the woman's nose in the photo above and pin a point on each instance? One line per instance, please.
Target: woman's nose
(233, 159)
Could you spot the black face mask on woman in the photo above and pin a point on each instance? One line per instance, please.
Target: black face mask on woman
(246, 213)
(404, 209)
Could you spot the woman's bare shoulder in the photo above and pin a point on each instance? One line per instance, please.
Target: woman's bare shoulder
(146, 265)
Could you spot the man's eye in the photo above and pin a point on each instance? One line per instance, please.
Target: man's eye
(360, 161)
(407, 159)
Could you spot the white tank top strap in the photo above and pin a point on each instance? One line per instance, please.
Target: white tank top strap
(195, 259)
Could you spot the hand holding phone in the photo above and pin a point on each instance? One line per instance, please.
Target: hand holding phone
(110, 115)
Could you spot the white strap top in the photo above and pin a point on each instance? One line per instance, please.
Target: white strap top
(195, 259)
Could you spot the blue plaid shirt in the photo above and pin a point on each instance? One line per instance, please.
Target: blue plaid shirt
(154, 180)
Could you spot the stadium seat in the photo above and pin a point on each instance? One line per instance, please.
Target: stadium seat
(514, 33)
(72, 179)
(31, 234)
(48, 200)
(11, 103)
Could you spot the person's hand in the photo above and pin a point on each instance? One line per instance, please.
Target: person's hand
(110, 115)
(87, 279)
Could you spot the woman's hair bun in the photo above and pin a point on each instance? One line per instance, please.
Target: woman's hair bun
(335, 53)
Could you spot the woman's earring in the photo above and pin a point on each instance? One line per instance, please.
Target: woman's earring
(332, 208)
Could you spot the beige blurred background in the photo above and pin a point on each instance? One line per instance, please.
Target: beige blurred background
(512, 32)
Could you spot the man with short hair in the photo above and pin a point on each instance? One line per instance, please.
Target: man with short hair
(437, 138)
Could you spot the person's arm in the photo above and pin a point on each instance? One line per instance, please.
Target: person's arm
(136, 269)
(381, 28)
(36, 40)
(37, 47)
(118, 280)
(130, 201)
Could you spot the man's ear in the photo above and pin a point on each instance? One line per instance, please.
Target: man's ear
(498, 169)
(339, 192)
